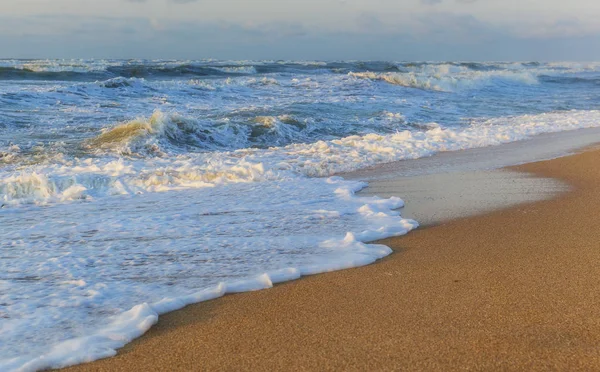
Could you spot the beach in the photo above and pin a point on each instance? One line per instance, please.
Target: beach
(296, 185)
(130, 189)
(514, 289)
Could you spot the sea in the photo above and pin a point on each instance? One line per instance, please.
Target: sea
(131, 188)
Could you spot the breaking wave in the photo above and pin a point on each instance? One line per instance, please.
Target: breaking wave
(172, 133)
(445, 81)
(121, 82)
(102, 177)
(160, 132)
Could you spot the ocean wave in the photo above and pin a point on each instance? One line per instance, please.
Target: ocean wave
(557, 79)
(9, 155)
(150, 71)
(97, 178)
(442, 79)
(12, 73)
(163, 134)
(146, 137)
(243, 70)
(185, 70)
(229, 237)
(121, 82)
(406, 80)
(121, 70)
(78, 70)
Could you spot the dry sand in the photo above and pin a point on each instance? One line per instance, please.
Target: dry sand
(517, 289)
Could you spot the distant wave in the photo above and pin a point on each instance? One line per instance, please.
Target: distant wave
(571, 79)
(125, 71)
(120, 82)
(405, 80)
(14, 73)
(52, 70)
(444, 80)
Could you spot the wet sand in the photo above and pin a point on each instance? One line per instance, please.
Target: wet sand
(516, 289)
(432, 199)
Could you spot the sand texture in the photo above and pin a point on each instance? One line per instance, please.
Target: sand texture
(516, 289)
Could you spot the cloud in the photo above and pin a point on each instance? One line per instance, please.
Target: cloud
(435, 2)
(370, 22)
(170, 1)
(431, 34)
(553, 29)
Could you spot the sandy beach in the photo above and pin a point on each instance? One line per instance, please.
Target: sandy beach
(515, 289)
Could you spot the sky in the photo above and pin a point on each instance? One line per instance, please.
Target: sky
(542, 30)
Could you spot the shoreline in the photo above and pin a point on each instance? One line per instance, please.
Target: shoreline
(458, 184)
(438, 198)
(447, 299)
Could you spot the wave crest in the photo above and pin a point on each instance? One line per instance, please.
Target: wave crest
(445, 79)
(148, 136)
(408, 80)
(172, 133)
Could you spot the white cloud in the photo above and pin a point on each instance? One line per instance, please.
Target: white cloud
(280, 28)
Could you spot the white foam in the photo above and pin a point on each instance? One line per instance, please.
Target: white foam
(237, 69)
(250, 234)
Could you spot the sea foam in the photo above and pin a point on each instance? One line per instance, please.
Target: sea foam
(164, 251)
